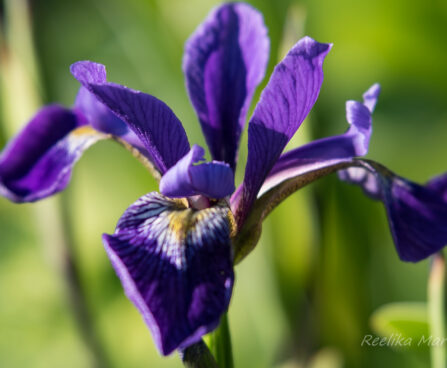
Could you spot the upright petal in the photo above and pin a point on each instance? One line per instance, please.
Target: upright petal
(188, 178)
(104, 120)
(284, 104)
(98, 115)
(417, 214)
(370, 97)
(354, 142)
(150, 119)
(225, 59)
(38, 162)
(175, 265)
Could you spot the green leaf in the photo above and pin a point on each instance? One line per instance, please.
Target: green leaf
(403, 325)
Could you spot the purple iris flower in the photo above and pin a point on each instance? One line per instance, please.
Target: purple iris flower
(174, 252)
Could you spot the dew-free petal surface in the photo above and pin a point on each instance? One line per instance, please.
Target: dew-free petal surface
(175, 265)
(225, 59)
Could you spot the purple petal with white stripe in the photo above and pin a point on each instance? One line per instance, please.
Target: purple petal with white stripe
(150, 119)
(189, 177)
(38, 162)
(285, 102)
(225, 59)
(417, 214)
(175, 265)
(365, 179)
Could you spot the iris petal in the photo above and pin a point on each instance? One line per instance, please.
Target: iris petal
(417, 214)
(38, 161)
(98, 115)
(188, 178)
(439, 184)
(225, 59)
(284, 104)
(370, 97)
(150, 119)
(175, 265)
(102, 119)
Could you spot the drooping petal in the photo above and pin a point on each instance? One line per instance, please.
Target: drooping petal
(150, 119)
(38, 162)
(284, 104)
(439, 184)
(225, 59)
(188, 177)
(354, 142)
(175, 265)
(417, 214)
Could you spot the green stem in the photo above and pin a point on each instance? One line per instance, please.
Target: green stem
(198, 356)
(220, 344)
(76, 291)
(57, 239)
(436, 309)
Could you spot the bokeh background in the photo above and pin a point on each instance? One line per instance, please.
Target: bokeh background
(325, 262)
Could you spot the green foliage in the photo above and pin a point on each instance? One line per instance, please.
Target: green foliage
(405, 321)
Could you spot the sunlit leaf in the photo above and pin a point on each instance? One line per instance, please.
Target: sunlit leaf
(402, 325)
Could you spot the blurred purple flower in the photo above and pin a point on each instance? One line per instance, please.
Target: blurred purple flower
(174, 251)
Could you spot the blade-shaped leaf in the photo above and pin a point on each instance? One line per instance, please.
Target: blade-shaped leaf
(402, 325)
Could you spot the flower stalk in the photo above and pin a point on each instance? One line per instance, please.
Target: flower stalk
(198, 356)
(436, 310)
(220, 344)
(76, 292)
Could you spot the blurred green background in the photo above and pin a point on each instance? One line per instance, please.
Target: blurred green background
(326, 259)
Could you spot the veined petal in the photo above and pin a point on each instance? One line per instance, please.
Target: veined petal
(188, 178)
(225, 59)
(354, 142)
(175, 265)
(38, 162)
(284, 104)
(149, 118)
(104, 120)
(417, 214)
(98, 115)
